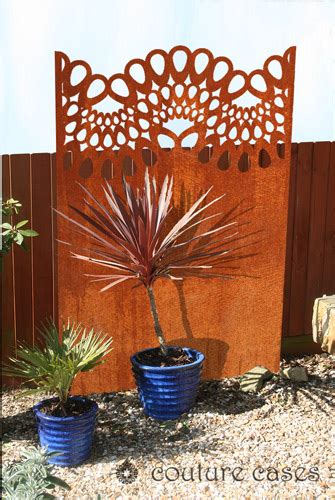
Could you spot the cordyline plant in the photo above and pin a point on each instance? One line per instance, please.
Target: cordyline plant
(132, 240)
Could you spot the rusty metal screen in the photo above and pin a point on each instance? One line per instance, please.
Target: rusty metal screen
(192, 115)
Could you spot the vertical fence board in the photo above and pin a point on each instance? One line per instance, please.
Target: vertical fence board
(42, 223)
(290, 238)
(300, 237)
(21, 185)
(7, 295)
(54, 236)
(318, 213)
(328, 279)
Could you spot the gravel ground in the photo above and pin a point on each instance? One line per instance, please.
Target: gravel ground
(237, 444)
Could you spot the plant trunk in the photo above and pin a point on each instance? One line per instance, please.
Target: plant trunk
(158, 328)
(63, 398)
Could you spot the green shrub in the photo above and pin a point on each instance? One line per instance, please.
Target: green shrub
(54, 367)
(13, 233)
(31, 478)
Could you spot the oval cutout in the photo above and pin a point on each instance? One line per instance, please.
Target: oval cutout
(119, 87)
(279, 118)
(165, 141)
(269, 126)
(275, 69)
(108, 141)
(153, 98)
(221, 128)
(236, 84)
(190, 140)
(214, 104)
(179, 60)
(192, 91)
(258, 132)
(201, 62)
(73, 109)
(258, 82)
(94, 139)
(86, 168)
(142, 106)
(211, 121)
(165, 91)
(70, 127)
(279, 101)
(78, 75)
(121, 138)
(96, 88)
(157, 62)
(179, 89)
(106, 170)
(133, 132)
(81, 135)
(220, 70)
(233, 133)
(245, 136)
(137, 73)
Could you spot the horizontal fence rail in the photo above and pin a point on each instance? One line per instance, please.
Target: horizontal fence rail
(29, 281)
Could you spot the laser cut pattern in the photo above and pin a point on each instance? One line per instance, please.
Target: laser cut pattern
(165, 87)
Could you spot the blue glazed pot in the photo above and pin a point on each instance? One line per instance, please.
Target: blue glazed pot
(71, 436)
(168, 391)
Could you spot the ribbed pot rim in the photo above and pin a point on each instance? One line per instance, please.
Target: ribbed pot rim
(51, 418)
(199, 355)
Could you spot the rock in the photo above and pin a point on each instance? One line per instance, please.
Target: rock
(295, 374)
(323, 323)
(253, 380)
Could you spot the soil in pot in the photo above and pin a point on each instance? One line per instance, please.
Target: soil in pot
(73, 408)
(154, 357)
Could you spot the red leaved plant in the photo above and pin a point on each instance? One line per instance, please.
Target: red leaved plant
(131, 238)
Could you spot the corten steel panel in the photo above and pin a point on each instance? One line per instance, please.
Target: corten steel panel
(238, 150)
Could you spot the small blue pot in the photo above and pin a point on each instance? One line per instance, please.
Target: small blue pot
(71, 436)
(168, 391)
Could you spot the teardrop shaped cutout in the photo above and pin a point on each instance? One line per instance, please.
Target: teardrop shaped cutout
(149, 157)
(281, 150)
(204, 155)
(244, 162)
(128, 166)
(264, 159)
(67, 160)
(224, 161)
(106, 170)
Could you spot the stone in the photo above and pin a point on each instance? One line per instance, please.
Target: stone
(253, 380)
(295, 374)
(324, 323)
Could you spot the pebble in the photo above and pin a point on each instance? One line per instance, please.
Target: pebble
(283, 425)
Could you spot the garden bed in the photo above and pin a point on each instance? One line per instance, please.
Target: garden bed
(252, 437)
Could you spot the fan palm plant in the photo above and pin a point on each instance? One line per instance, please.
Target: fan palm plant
(54, 367)
(131, 239)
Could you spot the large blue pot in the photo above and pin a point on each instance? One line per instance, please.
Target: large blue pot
(168, 391)
(71, 436)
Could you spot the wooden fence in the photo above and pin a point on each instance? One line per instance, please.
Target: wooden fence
(29, 281)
